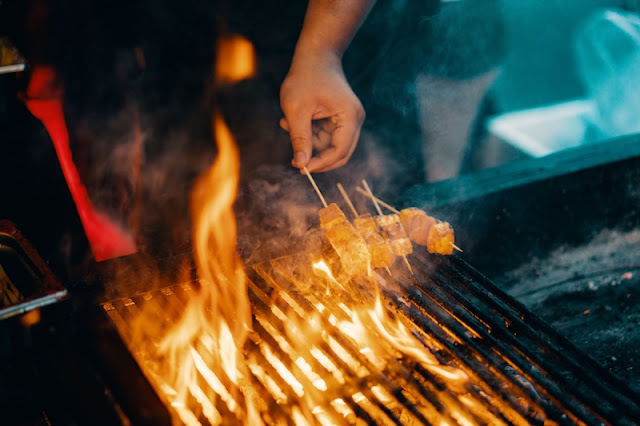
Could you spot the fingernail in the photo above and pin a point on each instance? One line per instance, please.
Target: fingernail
(300, 159)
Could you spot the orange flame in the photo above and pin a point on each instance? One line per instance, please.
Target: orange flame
(236, 60)
(200, 356)
(217, 260)
(209, 358)
(215, 321)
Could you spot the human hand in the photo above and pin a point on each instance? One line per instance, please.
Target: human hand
(322, 113)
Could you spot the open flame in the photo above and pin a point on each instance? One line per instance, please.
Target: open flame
(209, 337)
(322, 356)
(205, 344)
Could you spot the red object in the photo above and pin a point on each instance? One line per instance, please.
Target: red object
(44, 100)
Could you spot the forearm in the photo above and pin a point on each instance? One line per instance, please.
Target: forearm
(330, 25)
(316, 90)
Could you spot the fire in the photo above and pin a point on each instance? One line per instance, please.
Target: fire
(200, 356)
(205, 345)
(236, 60)
(322, 357)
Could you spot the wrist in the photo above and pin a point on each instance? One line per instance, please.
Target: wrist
(307, 55)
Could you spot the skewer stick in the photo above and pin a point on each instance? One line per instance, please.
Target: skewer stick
(347, 199)
(457, 248)
(313, 182)
(374, 199)
(406, 262)
(388, 271)
(382, 203)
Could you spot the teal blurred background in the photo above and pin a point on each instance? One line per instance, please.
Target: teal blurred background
(539, 67)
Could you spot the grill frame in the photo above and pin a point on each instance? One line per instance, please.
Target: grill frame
(27, 273)
(506, 215)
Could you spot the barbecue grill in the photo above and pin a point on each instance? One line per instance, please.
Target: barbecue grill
(516, 368)
(520, 371)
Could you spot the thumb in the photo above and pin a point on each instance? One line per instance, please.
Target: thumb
(299, 124)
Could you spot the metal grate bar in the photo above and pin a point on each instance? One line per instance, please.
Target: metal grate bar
(525, 362)
(327, 351)
(374, 377)
(395, 372)
(528, 343)
(519, 370)
(562, 350)
(441, 325)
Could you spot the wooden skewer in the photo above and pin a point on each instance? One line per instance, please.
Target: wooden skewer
(347, 199)
(388, 271)
(457, 248)
(374, 199)
(306, 171)
(406, 262)
(382, 203)
(375, 203)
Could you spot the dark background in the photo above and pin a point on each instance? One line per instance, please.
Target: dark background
(577, 282)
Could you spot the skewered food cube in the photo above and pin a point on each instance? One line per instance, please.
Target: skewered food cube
(365, 225)
(441, 238)
(401, 246)
(423, 229)
(416, 223)
(341, 233)
(385, 221)
(379, 248)
(394, 232)
(330, 215)
(356, 259)
(350, 246)
(381, 252)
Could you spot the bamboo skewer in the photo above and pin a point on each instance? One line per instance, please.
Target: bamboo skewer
(382, 203)
(374, 199)
(406, 262)
(347, 199)
(313, 183)
(375, 203)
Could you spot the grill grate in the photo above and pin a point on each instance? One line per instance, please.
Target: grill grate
(518, 370)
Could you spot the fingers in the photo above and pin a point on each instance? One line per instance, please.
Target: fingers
(323, 117)
(344, 140)
(284, 124)
(322, 134)
(297, 122)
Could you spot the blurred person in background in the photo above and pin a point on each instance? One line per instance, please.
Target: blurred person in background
(418, 70)
(137, 80)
